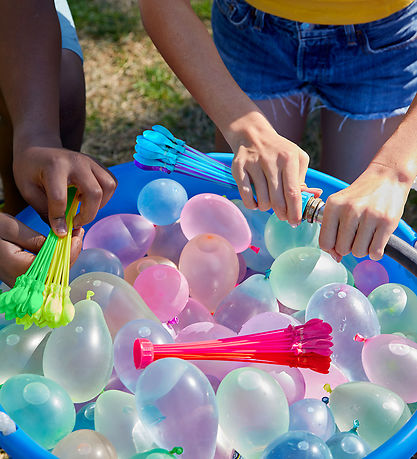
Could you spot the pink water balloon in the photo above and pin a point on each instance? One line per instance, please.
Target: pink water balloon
(164, 289)
(211, 268)
(267, 321)
(315, 381)
(193, 312)
(134, 269)
(391, 362)
(211, 213)
(368, 275)
(128, 236)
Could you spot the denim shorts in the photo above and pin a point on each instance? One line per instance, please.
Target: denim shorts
(68, 32)
(361, 71)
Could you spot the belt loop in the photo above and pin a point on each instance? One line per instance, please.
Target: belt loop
(350, 33)
(259, 20)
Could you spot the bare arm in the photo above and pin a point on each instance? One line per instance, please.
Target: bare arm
(275, 165)
(30, 56)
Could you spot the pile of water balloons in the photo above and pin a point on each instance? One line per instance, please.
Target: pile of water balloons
(183, 270)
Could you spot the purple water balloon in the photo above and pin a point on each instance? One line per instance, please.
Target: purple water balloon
(193, 312)
(369, 275)
(128, 236)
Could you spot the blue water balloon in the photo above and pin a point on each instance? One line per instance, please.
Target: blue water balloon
(96, 260)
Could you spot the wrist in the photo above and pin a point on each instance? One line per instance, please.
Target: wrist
(385, 169)
(23, 140)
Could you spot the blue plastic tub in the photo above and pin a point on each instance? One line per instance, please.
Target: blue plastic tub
(131, 179)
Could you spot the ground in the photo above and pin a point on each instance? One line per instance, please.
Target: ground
(129, 88)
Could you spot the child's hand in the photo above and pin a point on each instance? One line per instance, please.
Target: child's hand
(276, 167)
(361, 218)
(19, 243)
(43, 174)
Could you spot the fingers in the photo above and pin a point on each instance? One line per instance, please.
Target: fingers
(90, 195)
(76, 243)
(243, 182)
(292, 192)
(17, 233)
(257, 177)
(379, 242)
(15, 262)
(107, 182)
(56, 186)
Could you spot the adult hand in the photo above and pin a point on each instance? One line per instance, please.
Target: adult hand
(19, 244)
(43, 175)
(276, 167)
(361, 218)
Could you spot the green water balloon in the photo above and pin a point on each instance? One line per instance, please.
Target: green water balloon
(396, 308)
(17, 350)
(39, 406)
(380, 412)
(280, 236)
(80, 355)
(299, 272)
(253, 410)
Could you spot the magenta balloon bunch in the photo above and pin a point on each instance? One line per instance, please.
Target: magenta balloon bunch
(164, 289)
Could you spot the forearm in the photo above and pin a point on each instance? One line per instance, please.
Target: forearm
(189, 50)
(399, 153)
(30, 43)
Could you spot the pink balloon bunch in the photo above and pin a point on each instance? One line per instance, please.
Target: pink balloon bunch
(164, 289)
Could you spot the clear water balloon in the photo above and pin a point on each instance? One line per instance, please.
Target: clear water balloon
(95, 259)
(177, 405)
(267, 321)
(349, 312)
(123, 360)
(210, 213)
(128, 236)
(298, 273)
(80, 355)
(280, 236)
(211, 268)
(164, 289)
(119, 301)
(40, 406)
(161, 201)
(252, 297)
(348, 445)
(85, 417)
(85, 444)
(253, 410)
(381, 412)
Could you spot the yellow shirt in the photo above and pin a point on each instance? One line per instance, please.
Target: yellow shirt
(334, 12)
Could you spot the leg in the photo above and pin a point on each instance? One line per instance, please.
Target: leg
(72, 100)
(348, 148)
(288, 117)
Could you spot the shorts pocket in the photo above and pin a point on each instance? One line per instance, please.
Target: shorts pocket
(237, 12)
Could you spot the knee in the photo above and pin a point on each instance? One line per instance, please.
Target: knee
(72, 100)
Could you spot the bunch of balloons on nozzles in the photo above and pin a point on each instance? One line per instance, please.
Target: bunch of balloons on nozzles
(183, 270)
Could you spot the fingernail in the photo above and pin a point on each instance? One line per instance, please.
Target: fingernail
(60, 226)
(293, 226)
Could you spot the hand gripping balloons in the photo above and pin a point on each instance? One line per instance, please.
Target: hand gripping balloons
(253, 410)
(164, 289)
(211, 268)
(134, 269)
(396, 308)
(85, 444)
(128, 236)
(17, 348)
(349, 312)
(40, 406)
(259, 259)
(169, 242)
(161, 201)
(116, 418)
(368, 275)
(177, 404)
(313, 416)
(381, 412)
(211, 213)
(280, 236)
(93, 260)
(123, 361)
(80, 355)
(391, 362)
(297, 445)
(119, 301)
(299, 272)
(250, 298)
